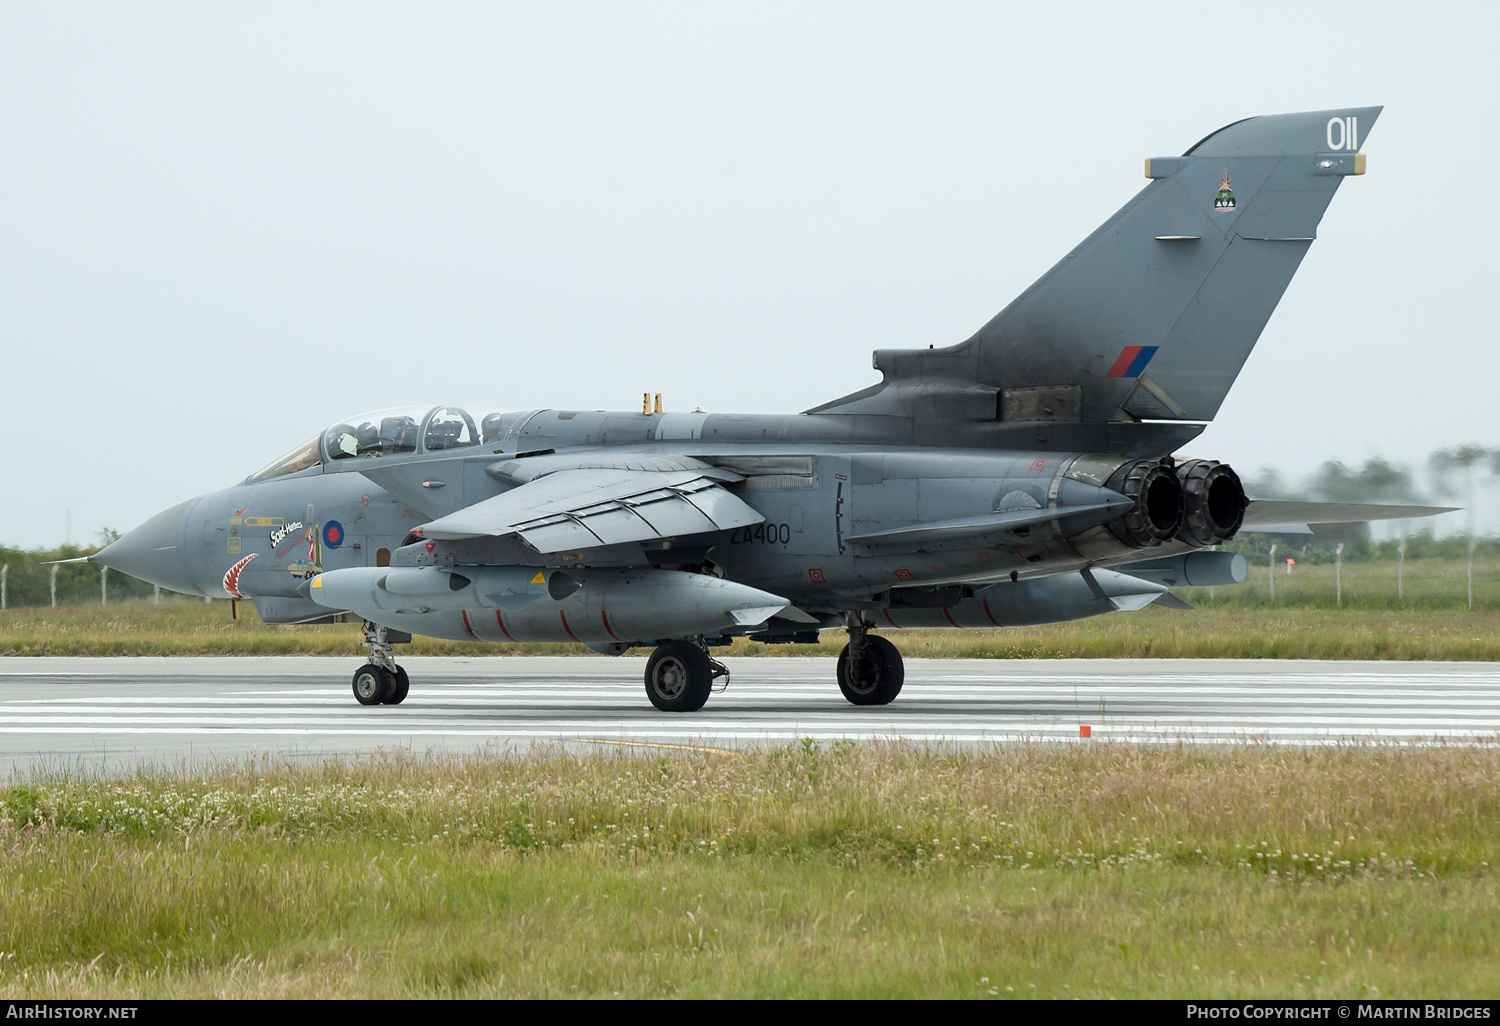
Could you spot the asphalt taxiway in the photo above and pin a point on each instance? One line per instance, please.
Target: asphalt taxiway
(120, 713)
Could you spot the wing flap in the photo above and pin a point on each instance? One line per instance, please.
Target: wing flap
(559, 535)
(671, 517)
(577, 509)
(723, 510)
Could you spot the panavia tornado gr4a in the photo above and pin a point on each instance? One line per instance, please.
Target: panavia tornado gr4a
(1023, 476)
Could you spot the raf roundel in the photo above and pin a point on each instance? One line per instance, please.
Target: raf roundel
(333, 534)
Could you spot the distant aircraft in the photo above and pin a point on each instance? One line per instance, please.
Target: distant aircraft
(1023, 476)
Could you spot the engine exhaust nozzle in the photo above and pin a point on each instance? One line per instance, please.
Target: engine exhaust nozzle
(1213, 502)
(1156, 514)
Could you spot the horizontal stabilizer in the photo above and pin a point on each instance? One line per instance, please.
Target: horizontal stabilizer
(996, 523)
(1276, 516)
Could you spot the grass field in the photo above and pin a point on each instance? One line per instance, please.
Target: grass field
(852, 870)
(1432, 621)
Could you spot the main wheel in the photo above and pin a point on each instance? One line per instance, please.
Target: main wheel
(372, 684)
(400, 685)
(678, 677)
(875, 678)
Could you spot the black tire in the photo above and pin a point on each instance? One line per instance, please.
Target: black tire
(372, 684)
(400, 685)
(678, 677)
(877, 676)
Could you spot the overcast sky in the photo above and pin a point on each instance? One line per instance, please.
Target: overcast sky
(224, 227)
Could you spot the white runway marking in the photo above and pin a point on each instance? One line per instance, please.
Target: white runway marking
(120, 712)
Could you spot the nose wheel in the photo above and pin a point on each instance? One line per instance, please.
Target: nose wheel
(376, 685)
(403, 685)
(372, 683)
(380, 681)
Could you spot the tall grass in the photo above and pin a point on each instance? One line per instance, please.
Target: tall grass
(1211, 631)
(851, 870)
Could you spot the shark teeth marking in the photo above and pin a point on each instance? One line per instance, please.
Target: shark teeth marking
(232, 578)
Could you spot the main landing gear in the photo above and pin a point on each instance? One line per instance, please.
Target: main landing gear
(680, 676)
(380, 681)
(870, 669)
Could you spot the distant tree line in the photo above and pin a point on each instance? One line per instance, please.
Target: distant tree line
(1455, 476)
(28, 580)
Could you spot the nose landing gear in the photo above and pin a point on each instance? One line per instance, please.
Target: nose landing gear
(380, 681)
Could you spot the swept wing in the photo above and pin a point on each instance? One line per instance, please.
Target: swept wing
(582, 508)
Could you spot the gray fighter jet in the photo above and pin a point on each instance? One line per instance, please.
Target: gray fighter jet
(1023, 476)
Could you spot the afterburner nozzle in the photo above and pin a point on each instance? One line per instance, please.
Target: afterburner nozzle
(1156, 514)
(1213, 502)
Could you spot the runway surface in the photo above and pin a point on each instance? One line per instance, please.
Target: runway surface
(119, 713)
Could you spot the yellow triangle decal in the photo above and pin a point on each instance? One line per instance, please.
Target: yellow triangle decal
(538, 579)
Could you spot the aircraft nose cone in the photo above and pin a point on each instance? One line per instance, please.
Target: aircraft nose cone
(151, 553)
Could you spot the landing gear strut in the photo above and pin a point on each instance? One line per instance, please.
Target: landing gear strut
(680, 676)
(870, 669)
(380, 681)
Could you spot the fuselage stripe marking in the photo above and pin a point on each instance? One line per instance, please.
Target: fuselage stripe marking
(889, 620)
(950, 619)
(564, 617)
(465, 614)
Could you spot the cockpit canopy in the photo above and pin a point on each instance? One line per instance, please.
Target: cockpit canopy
(390, 433)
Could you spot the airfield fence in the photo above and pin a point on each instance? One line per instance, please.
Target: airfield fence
(30, 583)
(1430, 573)
(1414, 573)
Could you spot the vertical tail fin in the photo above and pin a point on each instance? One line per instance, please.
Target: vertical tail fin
(1153, 315)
